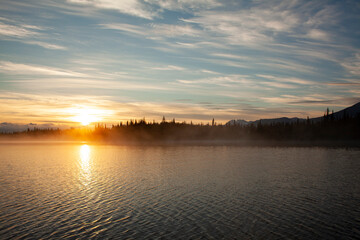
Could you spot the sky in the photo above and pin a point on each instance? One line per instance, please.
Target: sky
(110, 61)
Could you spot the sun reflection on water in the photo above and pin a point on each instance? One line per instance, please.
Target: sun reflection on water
(85, 154)
(85, 164)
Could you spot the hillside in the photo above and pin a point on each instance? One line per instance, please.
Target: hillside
(349, 112)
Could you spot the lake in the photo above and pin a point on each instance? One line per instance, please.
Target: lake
(84, 191)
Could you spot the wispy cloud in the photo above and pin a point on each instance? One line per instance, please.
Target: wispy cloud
(25, 69)
(198, 44)
(16, 31)
(265, 25)
(169, 30)
(312, 100)
(245, 27)
(231, 56)
(288, 79)
(130, 7)
(352, 65)
(169, 68)
(128, 28)
(279, 85)
(318, 35)
(148, 9)
(100, 85)
(345, 82)
(186, 5)
(236, 81)
(25, 33)
(209, 71)
(46, 45)
(286, 65)
(154, 31)
(14, 107)
(218, 80)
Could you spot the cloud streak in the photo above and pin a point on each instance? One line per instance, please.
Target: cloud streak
(130, 7)
(148, 9)
(16, 31)
(25, 69)
(25, 33)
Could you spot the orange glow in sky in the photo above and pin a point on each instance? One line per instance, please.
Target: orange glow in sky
(86, 116)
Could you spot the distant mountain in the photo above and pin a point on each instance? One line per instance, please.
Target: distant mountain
(6, 127)
(238, 122)
(278, 120)
(265, 121)
(349, 112)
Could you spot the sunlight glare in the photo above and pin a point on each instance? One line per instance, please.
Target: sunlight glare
(85, 154)
(85, 166)
(85, 116)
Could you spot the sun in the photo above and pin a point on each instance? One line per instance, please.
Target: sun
(85, 119)
(85, 116)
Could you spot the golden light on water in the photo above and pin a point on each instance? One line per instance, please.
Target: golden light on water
(85, 154)
(85, 165)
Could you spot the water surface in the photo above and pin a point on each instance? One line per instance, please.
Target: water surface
(68, 191)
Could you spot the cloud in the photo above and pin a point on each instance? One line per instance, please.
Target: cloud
(46, 45)
(263, 26)
(318, 35)
(233, 81)
(313, 100)
(169, 68)
(169, 30)
(242, 82)
(288, 79)
(148, 9)
(130, 7)
(244, 27)
(317, 14)
(17, 108)
(279, 85)
(154, 31)
(198, 44)
(24, 32)
(352, 65)
(209, 71)
(231, 56)
(313, 53)
(266, 23)
(16, 31)
(25, 69)
(344, 83)
(286, 65)
(228, 63)
(185, 5)
(87, 84)
(128, 28)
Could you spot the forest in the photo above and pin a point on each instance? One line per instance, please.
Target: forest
(330, 128)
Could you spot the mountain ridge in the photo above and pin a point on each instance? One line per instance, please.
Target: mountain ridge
(349, 112)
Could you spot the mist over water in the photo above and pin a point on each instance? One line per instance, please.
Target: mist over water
(184, 192)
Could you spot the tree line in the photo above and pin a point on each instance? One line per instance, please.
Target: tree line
(327, 128)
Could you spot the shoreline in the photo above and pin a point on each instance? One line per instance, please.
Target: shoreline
(238, 143)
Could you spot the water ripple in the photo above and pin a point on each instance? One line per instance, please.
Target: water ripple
(106, 192)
